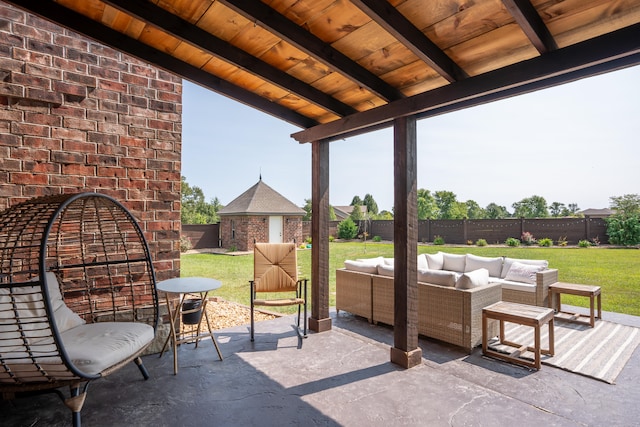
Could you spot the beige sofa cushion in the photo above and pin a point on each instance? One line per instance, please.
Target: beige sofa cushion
(454, 262)
(493, 265)
(361, 266)
(438, 277)
(385, 270)
(435, 261)
(473, 279)
(422, 262)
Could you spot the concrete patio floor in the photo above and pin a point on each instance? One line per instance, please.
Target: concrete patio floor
(341, 377)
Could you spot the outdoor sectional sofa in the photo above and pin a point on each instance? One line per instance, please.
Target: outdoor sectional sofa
(452, 290)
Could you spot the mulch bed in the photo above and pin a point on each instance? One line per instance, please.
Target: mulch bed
(226, 314)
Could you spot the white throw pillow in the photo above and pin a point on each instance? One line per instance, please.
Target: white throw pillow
(361, 267)
(472, 279)
(525, 273)
(437, 277)
(506, 265)
(435, 261)
(385, 270)
(474, 262)
(454, 262)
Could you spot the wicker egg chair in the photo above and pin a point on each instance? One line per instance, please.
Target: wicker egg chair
(77, 295)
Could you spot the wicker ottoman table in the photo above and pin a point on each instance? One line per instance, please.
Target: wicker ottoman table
(522, 314)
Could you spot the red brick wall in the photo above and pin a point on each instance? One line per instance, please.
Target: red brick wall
(250, 229)
(79, 116)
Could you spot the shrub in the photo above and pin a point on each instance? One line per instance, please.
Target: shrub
(469, 242)
(527, 239)
(584, 243)
(624, 230)
(185, 244)
(562, 241)
(347, 229)
(438, 240)
(331, 238)
(377, 239)
(481, 242)
(512, 241)
(546, 242)
(307, 240)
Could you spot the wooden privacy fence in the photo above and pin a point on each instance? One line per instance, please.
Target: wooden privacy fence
(492, 230)
(451, 230)
(202, 236)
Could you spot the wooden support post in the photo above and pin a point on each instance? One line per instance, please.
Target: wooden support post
(405, 351)
(320, 320)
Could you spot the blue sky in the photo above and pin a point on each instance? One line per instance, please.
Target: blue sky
(576, 143)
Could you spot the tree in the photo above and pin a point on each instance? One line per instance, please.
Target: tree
(573, 208)
(307, 209)
(370, 203)
(194, 208)
(474, 211)
(627, 205)
(356, 201)
(531, 207)
(557, 209)
(356, 213)
(449, 207)
(384, 215)
(623, 227)
(427, 208)
(495, 211)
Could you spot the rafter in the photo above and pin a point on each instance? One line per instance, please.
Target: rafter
(605, 53)
(268, 18)
(79, 23)
(402, 29)
(183, 30)
(534, 28)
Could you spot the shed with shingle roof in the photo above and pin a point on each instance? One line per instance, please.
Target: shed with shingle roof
(260, 214)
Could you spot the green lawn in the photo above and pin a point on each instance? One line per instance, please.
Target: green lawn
(615, 270)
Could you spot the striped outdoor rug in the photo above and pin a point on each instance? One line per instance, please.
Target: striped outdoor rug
(599, 352)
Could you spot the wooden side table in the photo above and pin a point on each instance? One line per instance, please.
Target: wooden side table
(186, 286)
(522, 314)
(593, 292)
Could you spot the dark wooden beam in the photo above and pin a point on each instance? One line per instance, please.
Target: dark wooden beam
(405, 351)
(183, 30)
(270, 19)
(531, 23)
(402, 29)
(617, 64)
(320, 320)
(608, 52)
(81, 24)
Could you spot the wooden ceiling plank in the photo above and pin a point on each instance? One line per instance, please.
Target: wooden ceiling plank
(531, 23)
(312, 45)
(608, 52)
(402, 29)
(203, 40)
(95, 30)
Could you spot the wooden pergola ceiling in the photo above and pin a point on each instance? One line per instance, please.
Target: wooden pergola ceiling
(336, 68)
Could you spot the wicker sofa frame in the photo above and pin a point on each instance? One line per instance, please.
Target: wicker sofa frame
(104, 273)
(444, 313)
